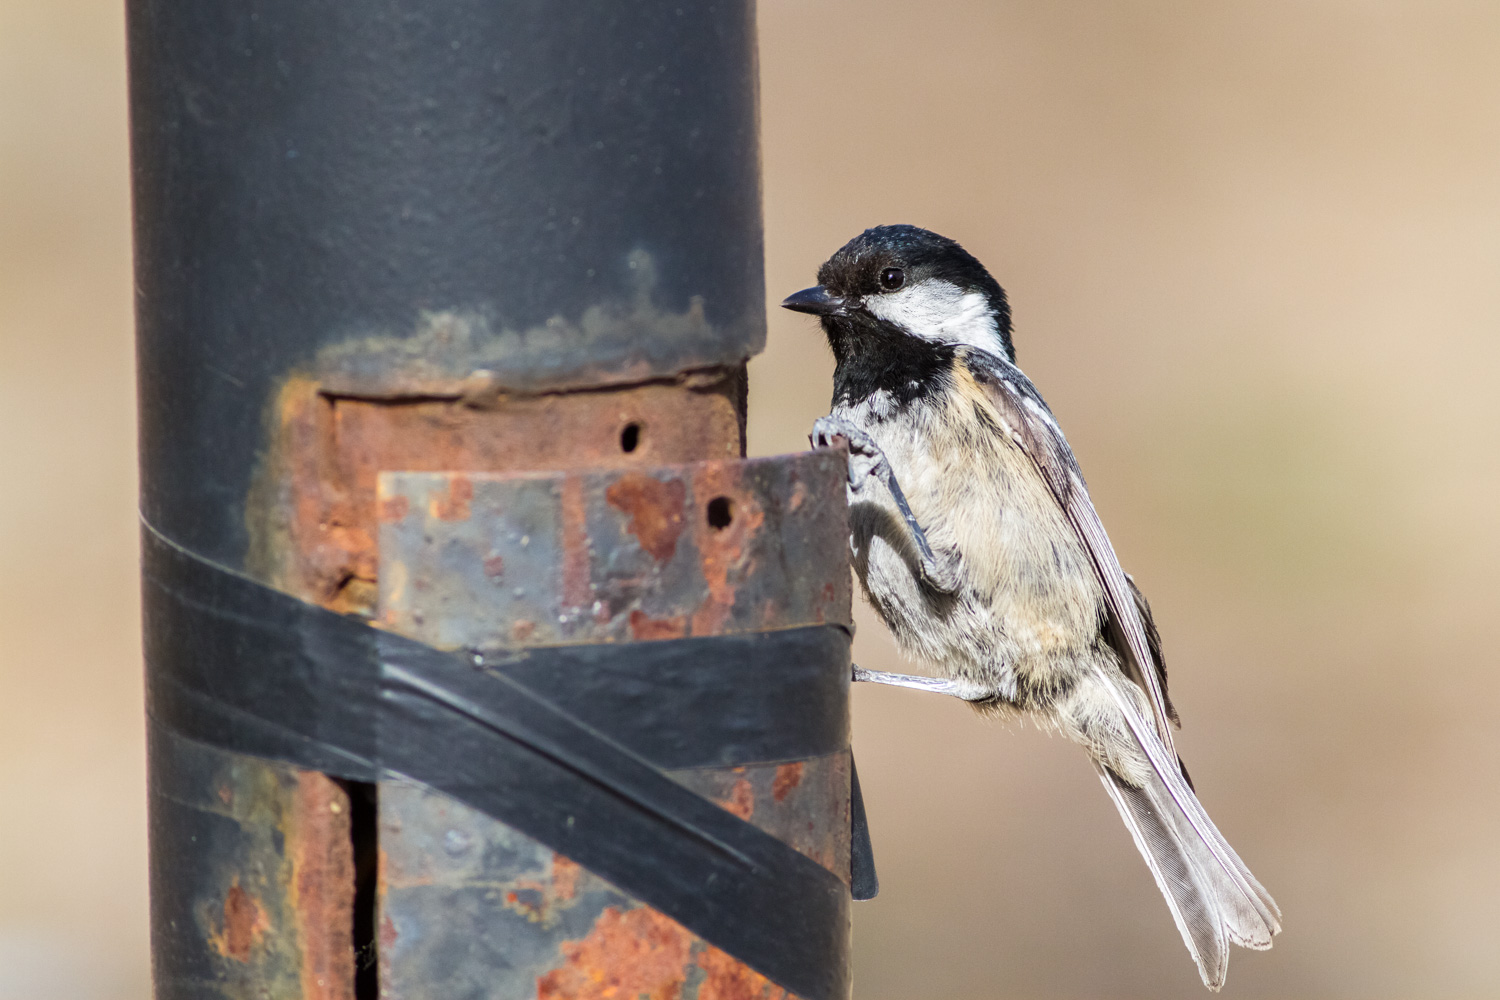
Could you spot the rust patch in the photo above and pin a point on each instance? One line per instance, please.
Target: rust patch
(637, 954)
(322, 895)
(528, 902)
(655, 510)
(393, 510)
(741, 799)
(565, 874)
(798, 498)
(541, 900)
(494, 566)
(522, 629)
(827, 595)
(575, 543)
(644, 627)
(456, 505)
(245, 923)
(728, 979)
(788, 777)
(724, 552)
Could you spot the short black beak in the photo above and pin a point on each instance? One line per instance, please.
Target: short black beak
(815, 300)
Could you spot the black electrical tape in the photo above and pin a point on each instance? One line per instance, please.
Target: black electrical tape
(238, 665)
(666, 707)
(863, 882)
(712, 701)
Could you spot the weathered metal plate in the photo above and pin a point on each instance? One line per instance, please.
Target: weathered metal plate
(471, 908)
(312, 515)
(481, 561)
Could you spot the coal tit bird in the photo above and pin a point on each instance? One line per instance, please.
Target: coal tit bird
(975, 540)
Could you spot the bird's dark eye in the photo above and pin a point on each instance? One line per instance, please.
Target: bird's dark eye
(892, 278)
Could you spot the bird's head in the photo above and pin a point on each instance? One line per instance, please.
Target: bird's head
(905, 281)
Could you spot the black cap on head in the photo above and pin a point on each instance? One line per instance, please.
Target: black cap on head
(884, 259)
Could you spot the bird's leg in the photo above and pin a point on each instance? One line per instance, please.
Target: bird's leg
(965, 690)
(939, 575)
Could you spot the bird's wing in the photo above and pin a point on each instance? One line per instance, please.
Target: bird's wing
(1153, 644)
(1030, 424)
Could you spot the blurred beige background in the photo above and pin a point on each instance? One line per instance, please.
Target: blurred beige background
(1254, 255)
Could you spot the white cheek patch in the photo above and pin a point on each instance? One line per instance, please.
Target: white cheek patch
(940, 311)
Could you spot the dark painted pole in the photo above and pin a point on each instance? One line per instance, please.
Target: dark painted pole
(312, 172)
(398, 235)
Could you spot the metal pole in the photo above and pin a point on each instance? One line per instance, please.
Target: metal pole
(478, 237)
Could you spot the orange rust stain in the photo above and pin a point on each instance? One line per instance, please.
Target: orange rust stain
(788, 777)
(655, 510)
(565, 874)
(724, 553)
(533, 907)
(456, 505)
(522, 629)
(344, 538)
(308, 535)
(575, 542)
(728, 979)
(540, 900)
(643, 626)
(798, 498)
(632, 955)
(323, 886)
(494, 566)
(827, 595)
(245, 923)
(741, 799)
(394, 509)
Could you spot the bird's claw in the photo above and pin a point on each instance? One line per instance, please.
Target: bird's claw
(865, 457)
(826, 429)
(867, 461)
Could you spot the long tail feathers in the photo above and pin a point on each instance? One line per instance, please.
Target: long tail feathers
(1212, 895)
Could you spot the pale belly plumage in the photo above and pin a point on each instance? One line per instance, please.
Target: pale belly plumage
(1027, 616)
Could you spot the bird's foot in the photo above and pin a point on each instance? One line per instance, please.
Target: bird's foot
(867, 461)
(961, 689)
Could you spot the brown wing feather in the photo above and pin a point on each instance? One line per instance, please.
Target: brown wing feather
(1031, 425)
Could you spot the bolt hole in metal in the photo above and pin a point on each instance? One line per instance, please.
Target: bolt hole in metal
(630, 438)
(720, 513)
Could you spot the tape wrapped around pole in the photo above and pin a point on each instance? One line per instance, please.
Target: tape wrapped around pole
(246, 668)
